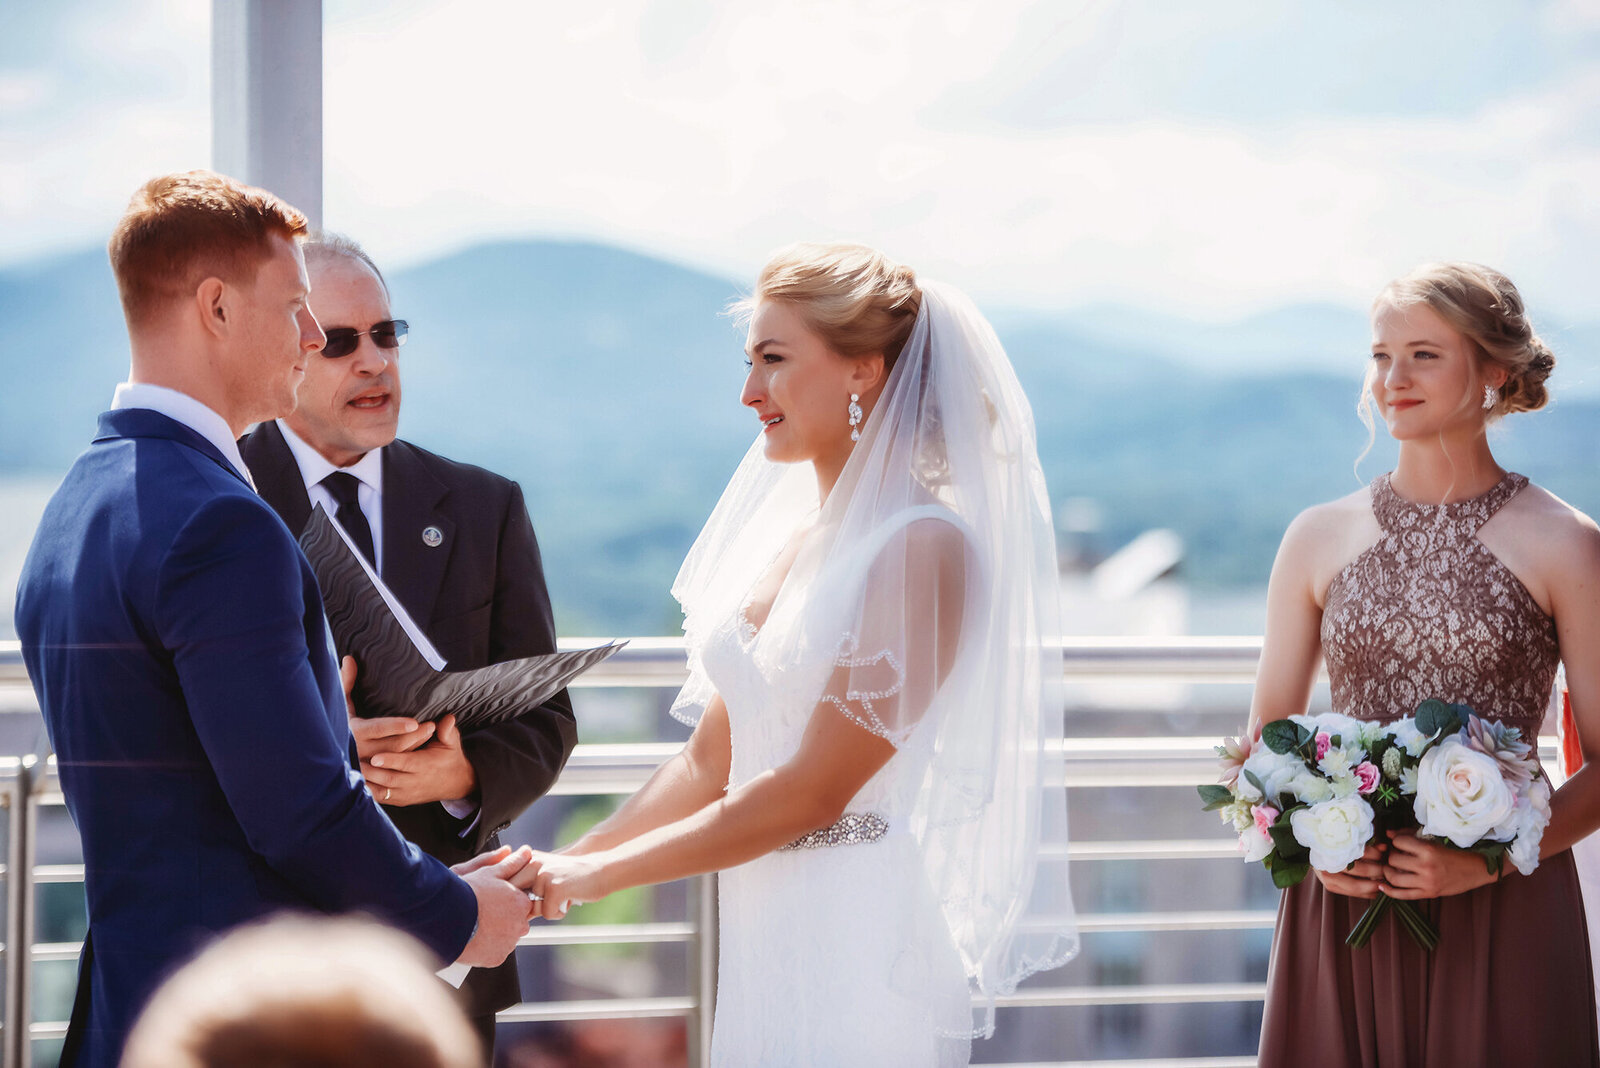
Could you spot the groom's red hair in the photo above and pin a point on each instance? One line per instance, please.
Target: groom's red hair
(181, 229)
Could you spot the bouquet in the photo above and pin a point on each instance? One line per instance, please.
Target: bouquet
(1315, 791)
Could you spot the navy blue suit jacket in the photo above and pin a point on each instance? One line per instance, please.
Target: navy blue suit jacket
(175, 638)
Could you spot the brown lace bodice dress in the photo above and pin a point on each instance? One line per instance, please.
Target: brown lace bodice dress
(1429, 611)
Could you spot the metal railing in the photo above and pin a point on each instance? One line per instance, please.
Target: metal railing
(27, 785)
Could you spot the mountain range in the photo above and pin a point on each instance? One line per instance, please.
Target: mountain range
(607, 383)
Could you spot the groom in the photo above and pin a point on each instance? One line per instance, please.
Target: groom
(176, 641)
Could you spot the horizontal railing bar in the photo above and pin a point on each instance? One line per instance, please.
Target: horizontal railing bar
(660, 660)
(600, 1009)
(43, 951)
(58, 873)
(1170, 994)
(1224, 847)
(588, 934)
(1157, 1062)
(1218, 920)
(630, 933)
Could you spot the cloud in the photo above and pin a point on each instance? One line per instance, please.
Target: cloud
(1211, 163)
(741, 128)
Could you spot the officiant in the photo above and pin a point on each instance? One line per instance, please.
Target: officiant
(455, 544)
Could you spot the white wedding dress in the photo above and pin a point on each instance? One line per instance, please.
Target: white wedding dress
(920, 604)
(833, 955)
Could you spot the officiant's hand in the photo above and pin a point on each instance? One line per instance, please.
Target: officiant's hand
(386, 734)
(503, 907)
(438, 771)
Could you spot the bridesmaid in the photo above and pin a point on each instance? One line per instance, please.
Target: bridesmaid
(1452, 578)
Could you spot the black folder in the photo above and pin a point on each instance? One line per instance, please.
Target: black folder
(399, 671)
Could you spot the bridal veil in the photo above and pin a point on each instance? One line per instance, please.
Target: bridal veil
(925, 607)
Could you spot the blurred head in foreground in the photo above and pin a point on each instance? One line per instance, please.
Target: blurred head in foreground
(307, 992)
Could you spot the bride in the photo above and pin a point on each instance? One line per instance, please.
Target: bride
(871, 622)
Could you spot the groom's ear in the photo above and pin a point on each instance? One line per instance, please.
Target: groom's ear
(212, 302)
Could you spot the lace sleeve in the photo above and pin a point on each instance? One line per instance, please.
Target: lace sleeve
(904, 634)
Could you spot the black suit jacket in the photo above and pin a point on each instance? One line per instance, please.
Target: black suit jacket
(480, 597)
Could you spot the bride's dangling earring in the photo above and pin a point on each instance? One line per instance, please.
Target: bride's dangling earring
(1491, 397)
(855, 416)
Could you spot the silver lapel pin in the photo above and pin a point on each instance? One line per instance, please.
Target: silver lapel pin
(432, 537)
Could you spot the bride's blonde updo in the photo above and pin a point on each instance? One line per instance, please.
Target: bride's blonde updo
(855, 298)
(1484, 306)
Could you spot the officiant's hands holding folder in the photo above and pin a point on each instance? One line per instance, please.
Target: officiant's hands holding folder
(406, 762)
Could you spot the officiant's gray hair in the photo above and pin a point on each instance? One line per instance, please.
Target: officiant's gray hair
(326, 243)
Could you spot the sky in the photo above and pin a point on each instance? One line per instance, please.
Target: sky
(1209, 160)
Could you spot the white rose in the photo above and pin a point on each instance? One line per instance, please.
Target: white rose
(1461, 794)
(1255, 843)
(1310, 788)
(1336, 832)
(1406, 734)
(1353, 733)
(1533, 811)
(1275, 770)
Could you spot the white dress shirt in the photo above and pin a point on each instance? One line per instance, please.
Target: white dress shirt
(314, 467)
(182, 408)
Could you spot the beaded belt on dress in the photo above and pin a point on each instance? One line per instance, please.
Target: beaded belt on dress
(853, 828)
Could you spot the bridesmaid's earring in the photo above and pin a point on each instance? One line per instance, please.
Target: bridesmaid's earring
(855, 416)
(1491, 397)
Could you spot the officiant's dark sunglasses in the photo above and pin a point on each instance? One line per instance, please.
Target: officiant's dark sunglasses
(342, 340)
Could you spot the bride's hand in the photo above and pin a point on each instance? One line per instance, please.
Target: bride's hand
(1363, 878)
(556, 881)
(1418, 870)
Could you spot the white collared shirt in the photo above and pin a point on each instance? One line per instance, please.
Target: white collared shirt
(182, 408)
(314, 467)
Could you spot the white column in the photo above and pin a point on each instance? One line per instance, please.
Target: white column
(266, 97)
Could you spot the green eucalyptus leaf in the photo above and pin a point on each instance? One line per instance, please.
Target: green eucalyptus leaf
(1284, 736)
(1215, 795)
(1437, 719)
(1284, 841)
(1289, 873)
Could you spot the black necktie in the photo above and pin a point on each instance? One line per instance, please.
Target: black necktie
(346, 488)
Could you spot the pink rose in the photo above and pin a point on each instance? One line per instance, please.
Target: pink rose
(1265, 816)
(1366, 777)
(1324, 743)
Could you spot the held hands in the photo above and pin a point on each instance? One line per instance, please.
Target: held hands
(557, 881)
(406, 762)
(503, 906)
